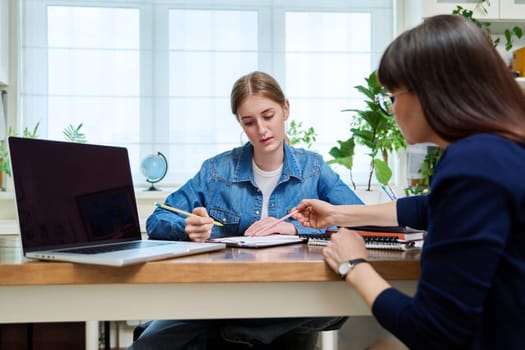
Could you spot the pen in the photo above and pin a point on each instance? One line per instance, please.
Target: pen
(394, 195)
(387, 193)
(180, 211)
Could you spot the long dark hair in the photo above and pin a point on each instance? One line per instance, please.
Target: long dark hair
(461, 81)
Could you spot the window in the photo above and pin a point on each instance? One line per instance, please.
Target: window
(155, 75)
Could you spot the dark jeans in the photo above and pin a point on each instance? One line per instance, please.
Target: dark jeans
(195, 334)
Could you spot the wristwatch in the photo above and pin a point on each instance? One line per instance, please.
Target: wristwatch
(345, 267)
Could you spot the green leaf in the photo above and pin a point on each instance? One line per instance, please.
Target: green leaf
(298, 134)
(518, 32)
(344, 154)
(31, 133)
(347, 162)
(73, 134)
(382, 171)
(5, 166)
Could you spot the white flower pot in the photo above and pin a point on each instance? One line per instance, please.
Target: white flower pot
(374, 196)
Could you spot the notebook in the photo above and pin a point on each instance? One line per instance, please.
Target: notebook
(259, 241)
(370, 242)
(76, 203)
(380, 237)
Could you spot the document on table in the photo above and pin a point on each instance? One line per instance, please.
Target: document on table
(258, 241)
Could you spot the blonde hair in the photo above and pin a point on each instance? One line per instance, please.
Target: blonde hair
(256, 83)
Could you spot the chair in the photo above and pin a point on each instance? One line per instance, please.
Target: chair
(299, 341)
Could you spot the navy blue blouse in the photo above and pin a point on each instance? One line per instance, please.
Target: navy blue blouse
(471, 292)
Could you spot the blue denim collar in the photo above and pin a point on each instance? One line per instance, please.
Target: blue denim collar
(244, 172)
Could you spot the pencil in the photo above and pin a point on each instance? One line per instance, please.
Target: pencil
(180, 211)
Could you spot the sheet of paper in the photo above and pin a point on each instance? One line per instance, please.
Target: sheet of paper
(261, 241)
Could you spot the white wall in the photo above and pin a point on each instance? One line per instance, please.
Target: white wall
(4, 42)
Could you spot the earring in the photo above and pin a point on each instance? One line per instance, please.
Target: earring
(242, 138)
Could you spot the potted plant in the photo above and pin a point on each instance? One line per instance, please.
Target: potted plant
(372, 128)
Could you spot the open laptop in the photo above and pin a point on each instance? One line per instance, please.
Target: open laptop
(76, 203)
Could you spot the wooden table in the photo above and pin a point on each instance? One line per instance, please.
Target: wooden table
(287, 281)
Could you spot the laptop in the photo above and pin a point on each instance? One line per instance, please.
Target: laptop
(76, 203)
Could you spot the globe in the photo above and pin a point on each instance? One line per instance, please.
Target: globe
(154, 167)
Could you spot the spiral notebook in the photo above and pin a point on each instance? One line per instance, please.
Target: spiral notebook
(379, 237)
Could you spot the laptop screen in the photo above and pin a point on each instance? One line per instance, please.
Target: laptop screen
(69, 194)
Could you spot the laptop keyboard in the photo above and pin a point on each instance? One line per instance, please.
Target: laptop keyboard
(113, 247)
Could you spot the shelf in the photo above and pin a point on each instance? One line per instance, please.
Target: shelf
(142, 193)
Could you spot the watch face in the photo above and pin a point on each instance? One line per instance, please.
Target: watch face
(344, 268)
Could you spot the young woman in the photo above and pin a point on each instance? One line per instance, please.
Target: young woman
(448, 86)
(246, 189)
(251, 186)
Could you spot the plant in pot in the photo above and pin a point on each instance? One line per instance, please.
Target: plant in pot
(375, 130)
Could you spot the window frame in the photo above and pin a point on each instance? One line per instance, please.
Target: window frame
(154, 135)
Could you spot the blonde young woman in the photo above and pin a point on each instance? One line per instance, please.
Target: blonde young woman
(246, 189)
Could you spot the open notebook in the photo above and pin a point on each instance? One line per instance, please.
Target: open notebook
(259, 241)
(76, 203)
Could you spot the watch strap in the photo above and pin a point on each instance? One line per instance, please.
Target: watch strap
(353, 263)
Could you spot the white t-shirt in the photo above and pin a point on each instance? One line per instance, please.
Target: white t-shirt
(266, 181)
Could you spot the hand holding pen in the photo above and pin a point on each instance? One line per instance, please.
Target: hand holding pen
(197, 225)
(315, 213)
(183, 212)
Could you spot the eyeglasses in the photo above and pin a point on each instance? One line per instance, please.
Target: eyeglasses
(386, 100)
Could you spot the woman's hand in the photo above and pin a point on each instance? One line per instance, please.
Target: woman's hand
(258, 228)
(314, 213)
(343, 246)
(198, 228)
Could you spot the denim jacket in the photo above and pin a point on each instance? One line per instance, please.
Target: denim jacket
(225, 186)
